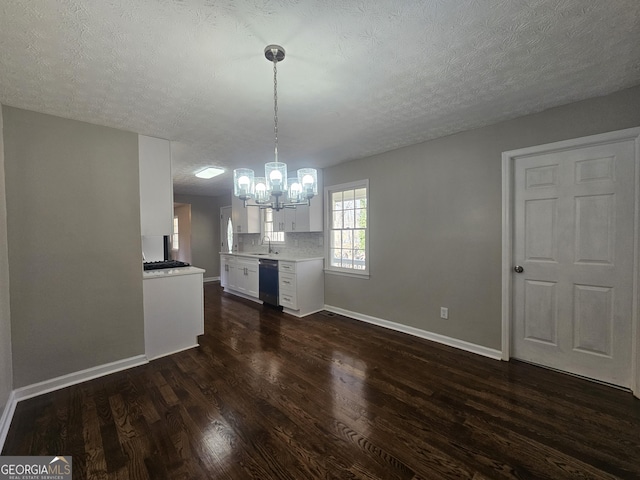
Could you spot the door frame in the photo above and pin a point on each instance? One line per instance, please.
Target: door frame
(508, 160)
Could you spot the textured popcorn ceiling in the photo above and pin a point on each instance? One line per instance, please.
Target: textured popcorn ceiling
(360, 77)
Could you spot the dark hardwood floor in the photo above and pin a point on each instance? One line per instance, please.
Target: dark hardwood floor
(270, 396)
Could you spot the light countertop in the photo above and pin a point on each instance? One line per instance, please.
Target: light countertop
(171, 272)
(273, 256)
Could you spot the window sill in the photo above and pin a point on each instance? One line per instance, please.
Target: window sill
(343, 273)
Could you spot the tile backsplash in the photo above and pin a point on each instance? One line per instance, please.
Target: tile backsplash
(296, 244)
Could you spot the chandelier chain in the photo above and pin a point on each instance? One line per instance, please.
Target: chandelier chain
(275, 190)
(275, 105)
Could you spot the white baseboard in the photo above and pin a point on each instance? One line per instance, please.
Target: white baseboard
(436, 337)
(74, 378)
(211, 279)
(7, 416)
(296, 313)
(174, 351)
(57, 383)
(240, 294)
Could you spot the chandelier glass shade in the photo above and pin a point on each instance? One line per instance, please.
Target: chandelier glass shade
(276, 189)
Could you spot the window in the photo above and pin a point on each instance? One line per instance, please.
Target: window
(267, 226)
(230, 235)
(175, 239)
(348, 227)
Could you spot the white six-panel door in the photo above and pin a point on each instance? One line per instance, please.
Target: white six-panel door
(572, 260)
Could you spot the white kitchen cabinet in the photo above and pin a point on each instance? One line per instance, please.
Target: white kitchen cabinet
(156, 186)
(247, 272)
(225, 262)
(301, 286)
(307, 218)
(245, 219)
(173, 302)
(279, 220)
(239, 275)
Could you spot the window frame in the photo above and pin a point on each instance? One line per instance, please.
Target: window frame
(328, 191)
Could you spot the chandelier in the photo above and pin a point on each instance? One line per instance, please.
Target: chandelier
(275, 190)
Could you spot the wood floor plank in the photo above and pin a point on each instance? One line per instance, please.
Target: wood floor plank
(271, 396)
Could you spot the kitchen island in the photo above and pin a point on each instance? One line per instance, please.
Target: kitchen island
(173, 310)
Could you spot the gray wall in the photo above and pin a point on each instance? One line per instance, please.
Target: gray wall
(435, 220)
(73, 211)
(205, 230)
(6, 373)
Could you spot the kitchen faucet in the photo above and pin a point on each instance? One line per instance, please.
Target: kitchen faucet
(267, 237)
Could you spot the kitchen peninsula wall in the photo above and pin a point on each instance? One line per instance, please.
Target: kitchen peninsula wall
(73, 223)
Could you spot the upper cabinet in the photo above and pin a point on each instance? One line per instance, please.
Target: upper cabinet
(307, 218)
(156, 186)
(244, 219)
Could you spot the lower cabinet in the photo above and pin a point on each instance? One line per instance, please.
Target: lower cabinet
(247, 276)
(300, 282)
(239, 275)
(301, 286)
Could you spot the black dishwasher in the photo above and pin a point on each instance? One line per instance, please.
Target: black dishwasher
(268, 278)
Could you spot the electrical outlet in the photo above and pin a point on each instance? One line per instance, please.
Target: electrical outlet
(444, 312)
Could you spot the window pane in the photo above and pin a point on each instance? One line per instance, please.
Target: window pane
(359, 239)
(361, 218)
(348, 219)
(361, 197)
(230, 235)
(348, 199)
(336, 200)
(347, 239)
(337, 220)
(336, 238)
(359, 258)
(335, 257)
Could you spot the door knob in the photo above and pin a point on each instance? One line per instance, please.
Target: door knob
(518, 269)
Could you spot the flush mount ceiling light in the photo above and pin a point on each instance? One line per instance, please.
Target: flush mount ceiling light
(210, 172)
(275, 190)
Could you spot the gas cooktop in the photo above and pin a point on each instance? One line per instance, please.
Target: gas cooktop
(163, 264)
